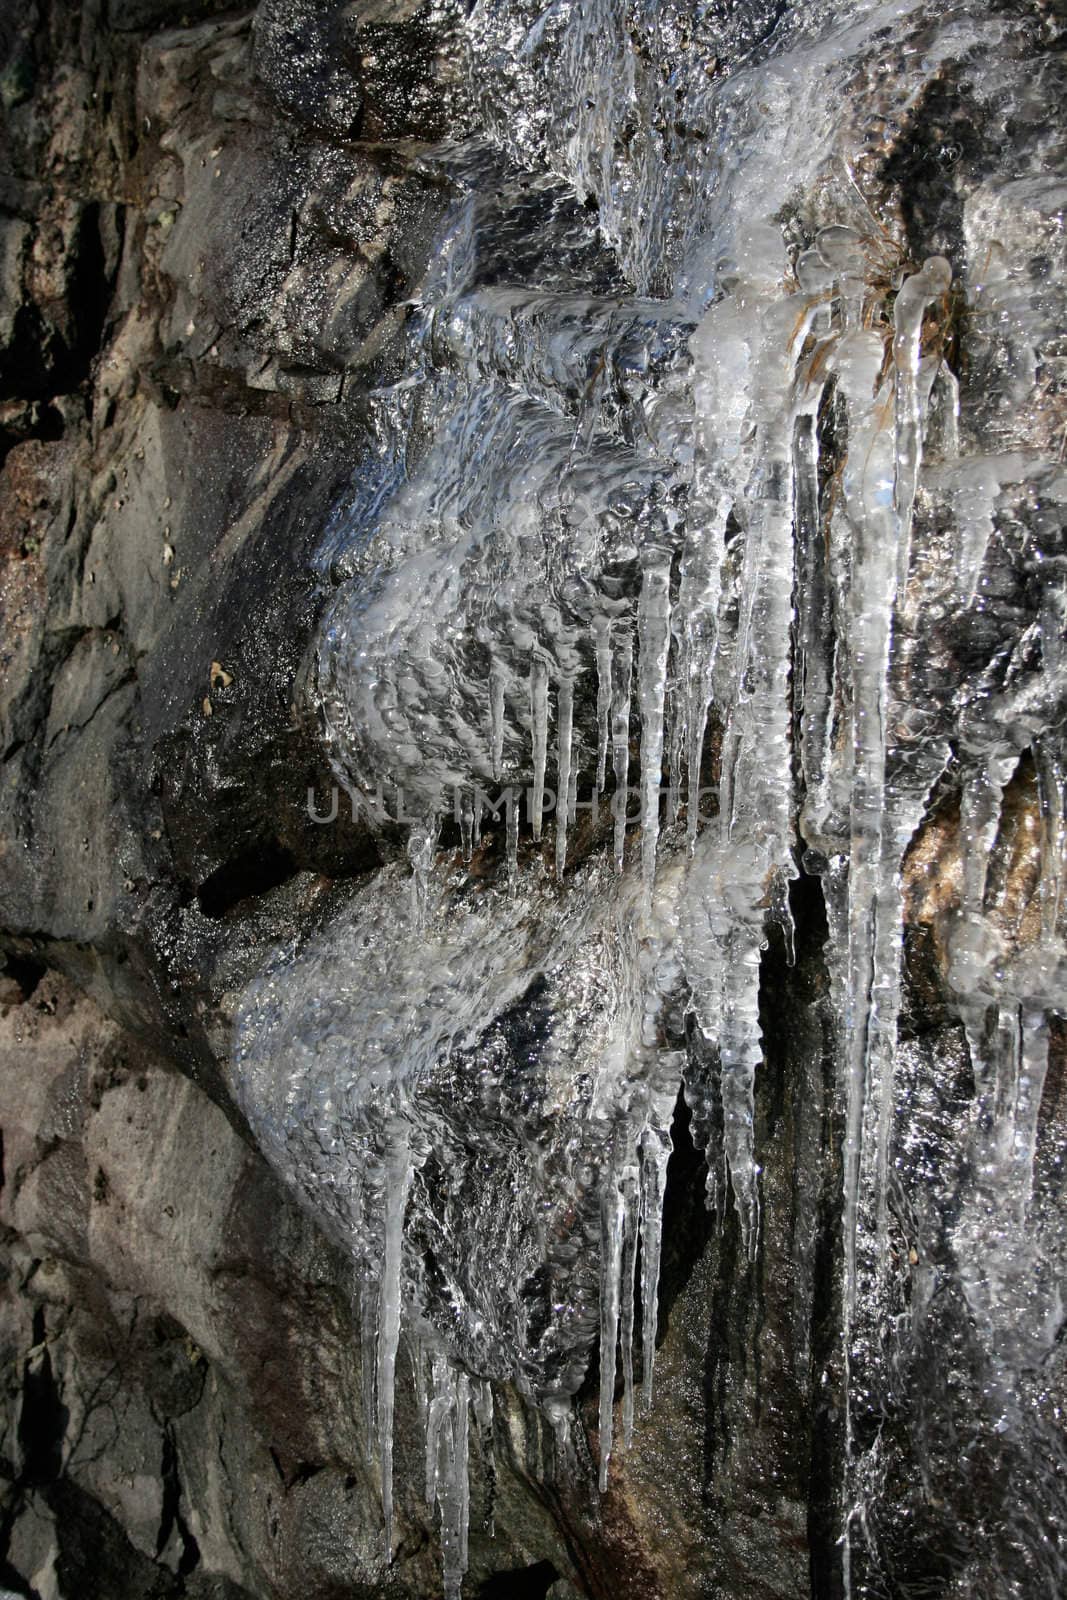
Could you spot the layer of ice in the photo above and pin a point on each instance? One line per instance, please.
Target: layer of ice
(677, 433)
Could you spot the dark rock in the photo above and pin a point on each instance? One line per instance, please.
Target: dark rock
(307, 56)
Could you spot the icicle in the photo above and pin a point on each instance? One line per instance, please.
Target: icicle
(975, 486)
(653, 632)
(572, 791)
(841, 248)
(368, 1334)
(539, 719)
(740, 1049)
(565, 707)
(700, 1084)
(466, 824)
(866, 477)
(814, 670)
(880, 566)
(558, 1412)
(756, 777)
(512, 802)
(696, 617)
(755, 820)
(980, 808)
(422, 841)
(482, 1401)
(904, 814)
(438, 1410)
(655, 1154)
(496, 718)
(914, 295)
(1033, 1069)
(630, 1185)
(698, 724)
(1050, 778)
(602, 639)
(447, 1463)
(941, 430)
(676, 702)
(612, 1213)
(817, 279)
(621, 675)
(397, 1182)
(418, 1379)
(463, 1494)
(876, 870)
(879, 483)
(992, 1240)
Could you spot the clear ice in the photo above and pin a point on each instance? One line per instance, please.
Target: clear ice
(670, 520)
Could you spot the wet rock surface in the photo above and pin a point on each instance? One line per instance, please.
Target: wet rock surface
(181, 1377)
(216, 227)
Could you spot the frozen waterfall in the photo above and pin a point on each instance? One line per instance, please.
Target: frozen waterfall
(683, 490)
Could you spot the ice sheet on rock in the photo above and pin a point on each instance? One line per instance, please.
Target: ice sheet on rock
(654, 468)
(513, 519)
(438, 1135)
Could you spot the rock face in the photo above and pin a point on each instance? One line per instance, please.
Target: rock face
(302, 309)
(182, 1380)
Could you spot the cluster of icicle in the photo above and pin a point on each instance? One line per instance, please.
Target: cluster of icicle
(622, 516)
(762, 360)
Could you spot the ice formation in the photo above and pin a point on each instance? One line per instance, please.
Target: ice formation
(655, 572)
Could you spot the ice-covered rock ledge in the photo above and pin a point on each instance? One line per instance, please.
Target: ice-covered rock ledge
(727, 460)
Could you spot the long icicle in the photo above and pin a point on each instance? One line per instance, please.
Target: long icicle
(453, 1480)
(880, 571)
(631, 1185)
(913, 297)
(397, 1178)
(435, 1418)
(496, 718)
(698, 603)
(653, 636)
(539, 720)
(602, 638)
(564, 725)
(655, 1154)
(621, 676)
(612, 1212)
(369, 1295)
(741, 1052)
